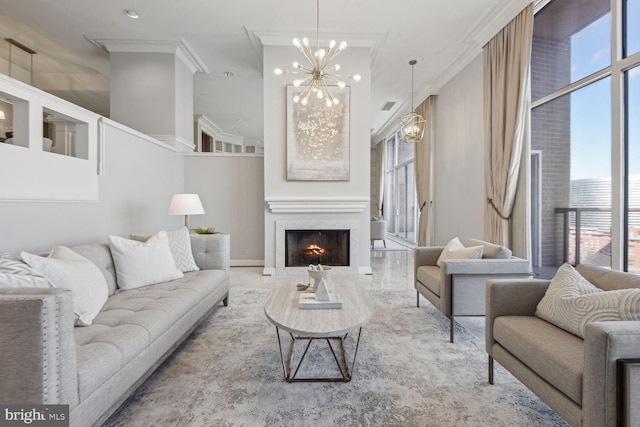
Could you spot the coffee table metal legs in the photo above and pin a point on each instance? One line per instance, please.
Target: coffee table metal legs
(346, 370)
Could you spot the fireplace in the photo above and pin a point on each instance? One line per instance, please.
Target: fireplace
(316, 225)
(304, 247)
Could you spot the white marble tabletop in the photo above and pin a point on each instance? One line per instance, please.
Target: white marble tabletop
(282, 310)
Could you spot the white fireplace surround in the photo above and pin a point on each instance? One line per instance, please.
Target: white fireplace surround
(354, 231)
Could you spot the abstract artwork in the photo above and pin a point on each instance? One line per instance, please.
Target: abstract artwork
(317, 137)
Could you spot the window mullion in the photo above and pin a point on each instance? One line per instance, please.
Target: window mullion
(617, 139)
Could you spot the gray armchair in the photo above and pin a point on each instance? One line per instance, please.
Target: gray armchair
(590, 382)
(458, 287)
(378, 232)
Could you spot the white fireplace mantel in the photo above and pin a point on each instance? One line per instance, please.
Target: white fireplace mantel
(280, 205)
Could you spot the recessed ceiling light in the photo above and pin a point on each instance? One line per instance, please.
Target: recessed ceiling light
(131, 13)
(228, 74)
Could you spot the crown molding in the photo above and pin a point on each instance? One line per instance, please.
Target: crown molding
(494, 20)
(479, 34)
(181, 48)
(208, 125)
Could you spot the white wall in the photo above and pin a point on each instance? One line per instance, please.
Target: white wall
(134, 195)
(232, 195)
(459, 156)
(353, 60)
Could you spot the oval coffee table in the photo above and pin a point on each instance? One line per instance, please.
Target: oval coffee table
(333, 324)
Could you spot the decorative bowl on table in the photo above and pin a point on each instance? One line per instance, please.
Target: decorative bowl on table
(317, 273)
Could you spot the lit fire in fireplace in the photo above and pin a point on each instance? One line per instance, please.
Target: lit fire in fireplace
(314, 250)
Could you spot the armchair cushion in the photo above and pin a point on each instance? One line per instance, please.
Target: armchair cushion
(545, 349)
(430, 277)
(572, 301)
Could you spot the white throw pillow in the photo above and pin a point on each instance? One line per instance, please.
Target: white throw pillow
(67, 269)
(180, 245)
(15, 273)
(143, 263)
(571, 301)
(453, 245)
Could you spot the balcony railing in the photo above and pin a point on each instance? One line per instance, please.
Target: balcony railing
(567, 229)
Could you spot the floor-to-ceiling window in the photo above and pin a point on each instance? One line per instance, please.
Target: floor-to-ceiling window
(400, 192)
(585, 134)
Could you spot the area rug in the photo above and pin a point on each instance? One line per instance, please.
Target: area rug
(229, 373)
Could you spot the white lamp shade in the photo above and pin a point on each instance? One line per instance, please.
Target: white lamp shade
(1, 115)
(186, 204)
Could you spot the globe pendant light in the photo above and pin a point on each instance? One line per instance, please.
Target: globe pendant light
(316, 72)
(412, 125)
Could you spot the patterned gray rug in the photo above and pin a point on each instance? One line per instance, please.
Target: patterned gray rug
(228, 373)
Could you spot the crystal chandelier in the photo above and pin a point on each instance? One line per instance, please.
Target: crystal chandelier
(412, 125)
(316, 74)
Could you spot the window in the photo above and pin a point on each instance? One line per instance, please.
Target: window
(571, 41)
(400, 202)
(575, 81)
(631, 28)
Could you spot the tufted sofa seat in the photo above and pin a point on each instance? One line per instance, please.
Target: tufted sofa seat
(94, 369)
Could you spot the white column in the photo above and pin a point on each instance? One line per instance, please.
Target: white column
(152, 88)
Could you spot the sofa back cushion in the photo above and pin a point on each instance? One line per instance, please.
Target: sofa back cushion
(100, 255)
(606, 279)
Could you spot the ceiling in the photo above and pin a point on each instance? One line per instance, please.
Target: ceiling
(443, 35)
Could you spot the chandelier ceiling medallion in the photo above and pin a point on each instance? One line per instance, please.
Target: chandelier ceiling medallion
(412, 124)
(317, 73)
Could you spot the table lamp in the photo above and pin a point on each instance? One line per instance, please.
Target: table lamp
(186, 204)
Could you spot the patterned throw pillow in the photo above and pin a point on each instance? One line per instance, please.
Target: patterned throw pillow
(571, 301)
(180, 245)
(14, 273)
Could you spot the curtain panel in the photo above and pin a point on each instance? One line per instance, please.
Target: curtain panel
(507, 97)
(423, 173)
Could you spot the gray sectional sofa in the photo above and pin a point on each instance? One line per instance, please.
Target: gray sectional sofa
(590, 382)
(45, 359)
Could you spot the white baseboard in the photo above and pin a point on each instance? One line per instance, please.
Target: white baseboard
(365, 270)
(247, 263)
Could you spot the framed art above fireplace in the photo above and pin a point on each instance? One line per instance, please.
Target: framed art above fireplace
(318, 137)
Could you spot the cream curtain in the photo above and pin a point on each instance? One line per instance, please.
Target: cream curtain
(507, 93)
(380, 175)
(423, 173)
